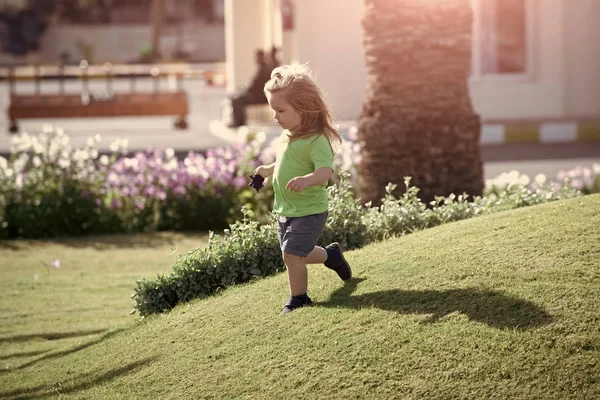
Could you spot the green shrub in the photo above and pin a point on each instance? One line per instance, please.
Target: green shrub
(249, 250)
(344, 223)
(396, 216)
(246, 251)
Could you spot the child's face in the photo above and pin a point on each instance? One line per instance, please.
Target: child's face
(284, 114)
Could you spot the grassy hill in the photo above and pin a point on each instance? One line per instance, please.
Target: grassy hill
(501, 306)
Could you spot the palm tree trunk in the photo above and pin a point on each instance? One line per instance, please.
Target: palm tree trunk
(418, 119)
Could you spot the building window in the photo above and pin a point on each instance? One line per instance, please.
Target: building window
(502, 37)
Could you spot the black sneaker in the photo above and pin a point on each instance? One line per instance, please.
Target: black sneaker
(337, 262)
(296, 302)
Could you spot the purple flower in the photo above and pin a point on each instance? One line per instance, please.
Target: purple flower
(115, 203)
(577, 183)
(140, 204)
(239, 181)
(149, 191)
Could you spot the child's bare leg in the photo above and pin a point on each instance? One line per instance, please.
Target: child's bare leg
(297, 274)
(317, 256)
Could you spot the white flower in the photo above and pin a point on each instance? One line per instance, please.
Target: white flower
(540, 179)
(91, 142)
(9, 172)
(3, 163)
(80, 155)
(114, 146)
(104, 159)
(119, 145)
(19, 181)
(524, 180)
(14, 141)
(36, 161)
(47, 128)
(23, 143)
(113, 178)
(97, 138)
(260, 137)
(64, 163)
(64, 140)
(587, 173)
(353, 133)
(169, 152)
(171, 165)
(20, 162)
(94, 153)
(52, 150)
(132, 163)
(36, 145)
(596, 168)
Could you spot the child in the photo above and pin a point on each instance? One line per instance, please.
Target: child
(301, 171)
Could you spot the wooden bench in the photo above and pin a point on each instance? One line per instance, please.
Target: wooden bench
(82, 106)
(91, 104)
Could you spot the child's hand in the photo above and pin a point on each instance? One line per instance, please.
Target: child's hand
(260, 171)
(265, 170)
(298, 184)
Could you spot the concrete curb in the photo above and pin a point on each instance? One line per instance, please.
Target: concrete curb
(540, 131)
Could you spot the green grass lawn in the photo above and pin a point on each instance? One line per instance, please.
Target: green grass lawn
(504, 306)
(43, 309)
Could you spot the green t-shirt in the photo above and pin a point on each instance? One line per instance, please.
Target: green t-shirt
(298, 158)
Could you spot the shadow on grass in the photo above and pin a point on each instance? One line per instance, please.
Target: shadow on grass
(67, 351)
(23, 354)
(108, 242)
(49, 336)
(80, 383)
(493, 308)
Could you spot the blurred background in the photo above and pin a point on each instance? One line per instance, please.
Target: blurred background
(534, 77)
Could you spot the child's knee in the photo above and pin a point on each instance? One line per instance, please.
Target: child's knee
(290, 259)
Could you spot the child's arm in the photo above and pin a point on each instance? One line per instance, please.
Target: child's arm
(265, 170)
(317, 178)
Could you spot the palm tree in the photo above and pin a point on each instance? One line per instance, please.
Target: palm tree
(418, 119)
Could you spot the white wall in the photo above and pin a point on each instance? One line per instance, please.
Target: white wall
(541, 93)
(583, 58)
(328, 35)
(564, 80)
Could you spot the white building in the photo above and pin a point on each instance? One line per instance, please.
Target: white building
(535, 71)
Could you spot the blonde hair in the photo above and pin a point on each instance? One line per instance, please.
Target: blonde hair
(303, 94)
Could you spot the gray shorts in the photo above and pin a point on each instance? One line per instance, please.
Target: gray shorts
(298, 236)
